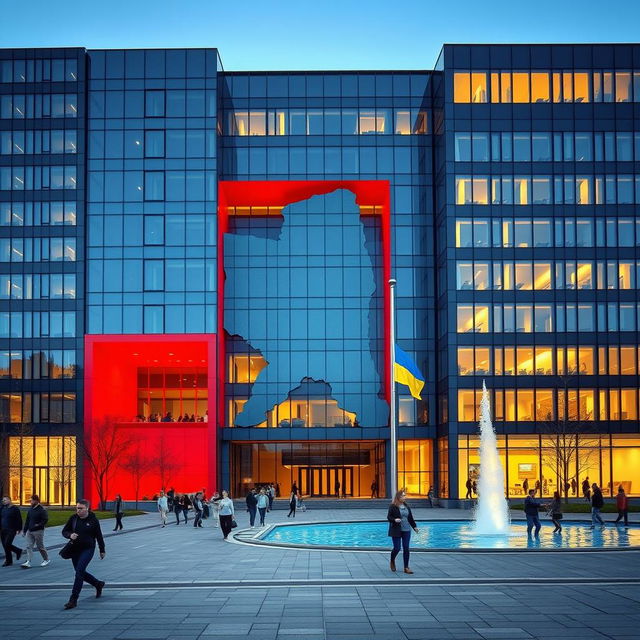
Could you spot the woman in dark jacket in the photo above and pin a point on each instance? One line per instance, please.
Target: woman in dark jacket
(555, 511)
(400, 524)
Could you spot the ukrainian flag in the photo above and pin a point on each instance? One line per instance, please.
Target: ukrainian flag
(406, 372)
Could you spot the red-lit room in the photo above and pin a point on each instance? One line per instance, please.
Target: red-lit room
(150, 409)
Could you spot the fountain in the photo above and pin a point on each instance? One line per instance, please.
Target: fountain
(492, 512)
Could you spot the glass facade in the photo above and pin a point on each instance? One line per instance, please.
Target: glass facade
(225, 265)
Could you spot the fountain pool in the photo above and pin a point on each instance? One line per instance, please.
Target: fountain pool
(450, 535)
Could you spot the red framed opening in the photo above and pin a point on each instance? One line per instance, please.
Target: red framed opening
(372, 196)
(122, 374)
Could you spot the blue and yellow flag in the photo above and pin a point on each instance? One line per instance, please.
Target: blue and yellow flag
(406, 372)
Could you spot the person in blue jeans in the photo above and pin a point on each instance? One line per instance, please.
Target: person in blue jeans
(597, 502)
(83, 531)
(252, 505)
(401, 523)
(263, 505)
(531, 507)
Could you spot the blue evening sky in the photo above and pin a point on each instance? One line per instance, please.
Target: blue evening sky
(319, 34)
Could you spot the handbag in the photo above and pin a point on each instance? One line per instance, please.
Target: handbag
(234, 524)
(67, 552)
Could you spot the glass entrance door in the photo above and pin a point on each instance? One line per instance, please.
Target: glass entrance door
(326, 481)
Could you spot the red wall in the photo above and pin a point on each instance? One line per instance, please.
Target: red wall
(111, 365)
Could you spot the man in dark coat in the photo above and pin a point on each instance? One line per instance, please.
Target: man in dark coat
(531, 507)
(83, 530)
(10, 527)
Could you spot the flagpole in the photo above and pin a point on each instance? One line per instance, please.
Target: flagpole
(393, 483)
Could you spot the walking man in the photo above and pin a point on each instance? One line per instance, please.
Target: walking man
(10, 527)
(622, 503)
(197, 509)
(34, 525)
(83, 529)
(271, 494)
(469, 486)
(586, 491)
(118, 511)
(531, 506)
(337, 488)
(163, 508)
(597, 502)
(252, 507)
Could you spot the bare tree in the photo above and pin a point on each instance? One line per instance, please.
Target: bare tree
(103, 449)
(568, 443)
(165, 462)
(138, 465)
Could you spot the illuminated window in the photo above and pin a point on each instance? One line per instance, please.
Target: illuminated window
(524, 364)
(525, 405)
(586, 360)
(465, 361)
(45, 466)
(478, 87)
(463, 190)
(584, 275)
(495, 87)
(544, 405)
(520, 87)
(481, 318)
(523, 276)
(245, 368)
(623, 86)
(480, 276)
(480, 190)
(461, 87)
(465, 318)
(524, 318)
(521, 190)
(464, 276)
(483, 363)
(541, 274)
(581, 87)
(627, 360)
(544, 361)
(540, 87)
(626, 275)
(505, 87)
(467, 405)
(567, 86)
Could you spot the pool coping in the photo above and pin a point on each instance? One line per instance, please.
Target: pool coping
(257, 540)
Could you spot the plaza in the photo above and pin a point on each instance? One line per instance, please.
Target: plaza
(185, 583)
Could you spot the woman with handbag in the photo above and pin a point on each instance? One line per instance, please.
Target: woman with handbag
(226, 513)
(400, 524)
(555, 511)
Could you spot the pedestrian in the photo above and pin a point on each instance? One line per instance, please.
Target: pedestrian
(597, 502)
(622, 503)
(525, 486)
(271, 494)
(215, 508)
(197, 509)
(474, 487)
(531, 507)
(294, 488)
(574, 486)
(171, 495)
(586, 489)
(226, 513)
(555, 511)
(374, 489)
(185, 504)
(337, 488)
(118, 510)
(163, 508)
(469, 487)
(252, 507)
(430, 496)
(36, 521)
(10, 527)
(400, 524)
(83, 530)
(263, 504)
(277, 489)
(177, 507)
(292, 505)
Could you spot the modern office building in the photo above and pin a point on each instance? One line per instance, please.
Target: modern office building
(194, 267)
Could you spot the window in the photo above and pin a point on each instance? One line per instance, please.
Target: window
(462, 147)
(154, 185)
(478, 87)
(461, 87)
(520, 87)
(154, 104)
(540, 87)
(153, 275)
(464, 233)
(154, 144)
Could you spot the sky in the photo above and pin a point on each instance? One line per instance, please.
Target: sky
(272, 35)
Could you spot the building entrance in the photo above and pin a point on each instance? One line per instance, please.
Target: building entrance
(326, 481)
